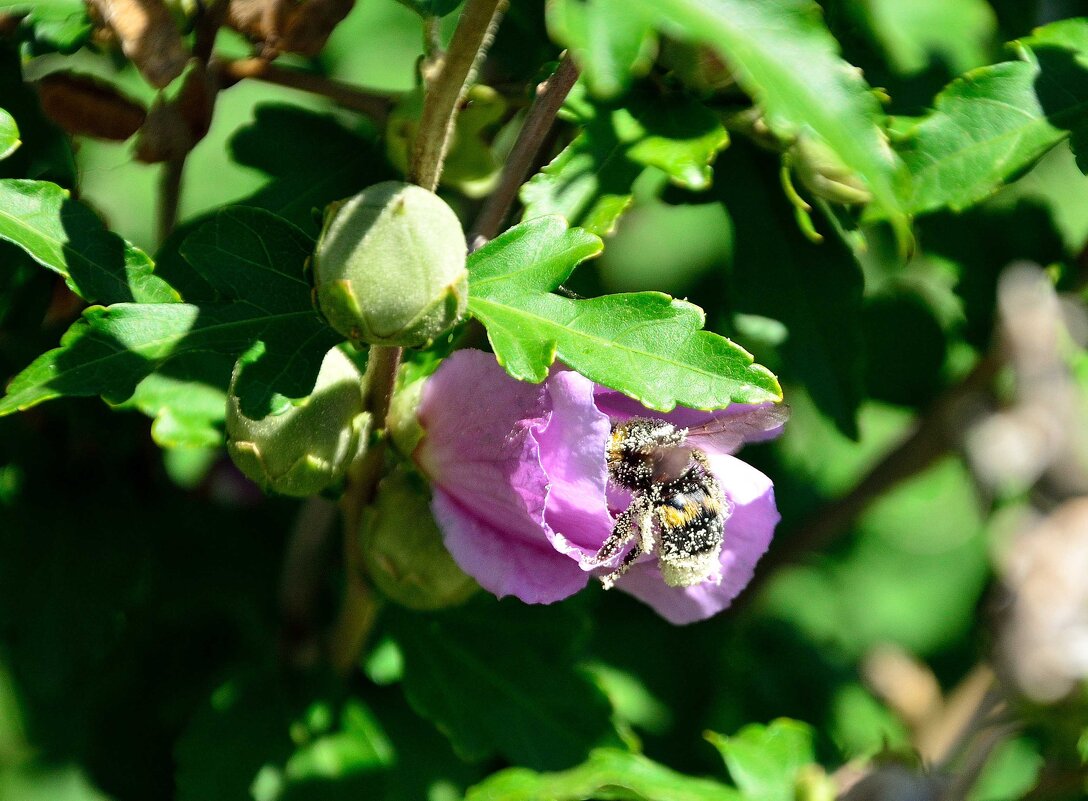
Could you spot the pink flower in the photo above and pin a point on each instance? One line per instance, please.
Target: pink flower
(522, 495)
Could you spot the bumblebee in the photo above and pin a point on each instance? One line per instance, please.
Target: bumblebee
(678, 509)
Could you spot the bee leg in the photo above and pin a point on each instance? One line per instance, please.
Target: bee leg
(623, 531)
(638, 518)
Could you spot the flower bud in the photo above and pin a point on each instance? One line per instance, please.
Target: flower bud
(309, 445)
(403, 548)
(390, 266)
(823, 172)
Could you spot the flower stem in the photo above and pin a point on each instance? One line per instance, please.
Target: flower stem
(538, 123)
(445, 89)
(447, 80)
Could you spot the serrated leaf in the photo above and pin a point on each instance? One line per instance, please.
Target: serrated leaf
(991, 124)
(783, 55)
(644, 344)
(9, 134)
(254, 261)
(609, 43)
(764, 760)
(607, 773)
(185, 400)
(66, 237)
(589, 183)
(304, 178)
(51, 25)
(472, 673)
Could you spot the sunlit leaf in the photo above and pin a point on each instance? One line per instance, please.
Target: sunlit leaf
(991, 124)
(645, 344)
(589, 183)
(66, 237)
(9, 134)
(764, 760)
(254, 261)
(609, 42)
(606, 774)
(782, 54)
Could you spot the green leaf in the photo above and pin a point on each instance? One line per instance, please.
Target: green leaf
(188, 411)
(472, 672)
(609, 43)
(31, 782)
(645, 344)
(66, 237)
(9, 134)
(764, 760)
(992, 124)
(263, 736)
(51, 25)
(961, 34)
(303, 178)
(254, 261)
(783, 55)
(589, 183)
(607, 774)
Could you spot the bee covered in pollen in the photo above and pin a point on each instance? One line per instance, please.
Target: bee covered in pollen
(678, 508)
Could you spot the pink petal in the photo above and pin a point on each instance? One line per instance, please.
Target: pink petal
(572, 450)
(534, 572)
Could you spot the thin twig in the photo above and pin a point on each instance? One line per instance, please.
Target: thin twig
(373, 104)
(169, 196)
(538, 122)
(933, 437)
(446, 88)
(359, 608)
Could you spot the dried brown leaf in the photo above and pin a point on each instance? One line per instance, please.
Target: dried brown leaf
(148, 37)
(81, 104)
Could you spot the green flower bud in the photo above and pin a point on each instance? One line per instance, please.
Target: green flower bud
(309, 445)
(403, 549)
(390, 266)
(823, 172)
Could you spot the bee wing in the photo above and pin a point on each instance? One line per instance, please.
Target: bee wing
(726, 434)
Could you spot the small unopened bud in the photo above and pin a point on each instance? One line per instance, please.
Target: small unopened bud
(309, 445)
(403, 548)
(390, 266)
(823, 172)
